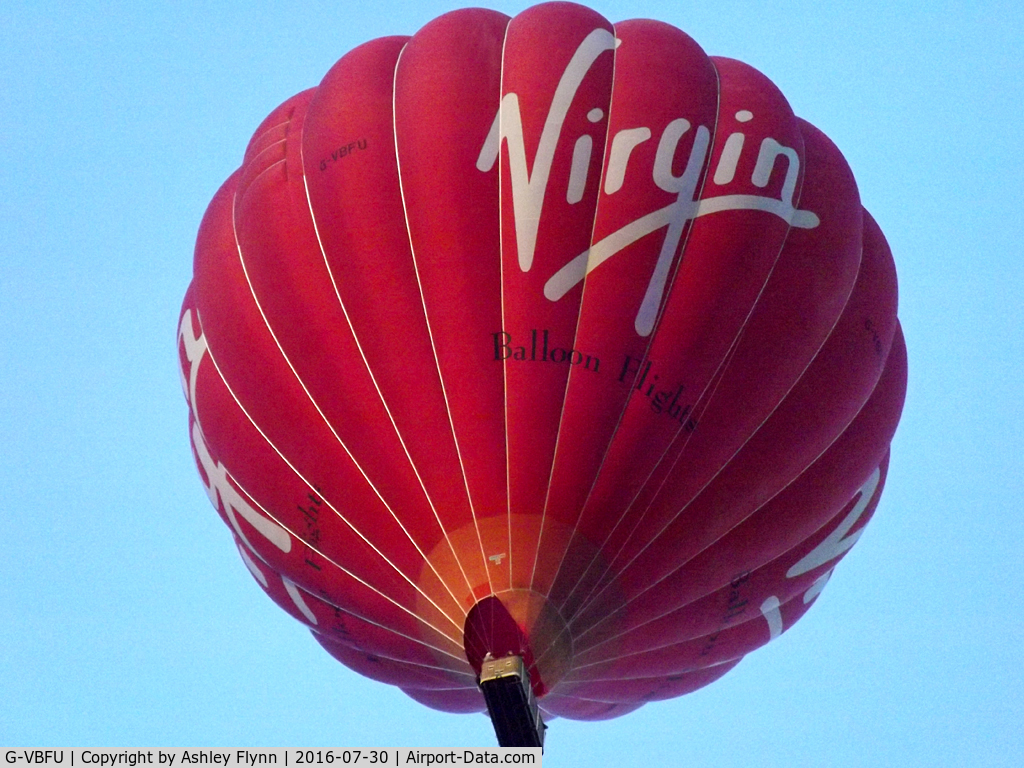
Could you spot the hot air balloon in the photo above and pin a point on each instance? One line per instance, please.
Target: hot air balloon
(540, 365)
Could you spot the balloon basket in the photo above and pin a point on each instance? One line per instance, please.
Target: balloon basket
(511, 703)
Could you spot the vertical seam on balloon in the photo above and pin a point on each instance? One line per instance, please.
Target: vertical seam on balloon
(433, 347)
(355, 463)
(373, 379)
(670, 284)
(501, 300)
(568, 378)
(597, 206)
(270, 516)
(501, 261)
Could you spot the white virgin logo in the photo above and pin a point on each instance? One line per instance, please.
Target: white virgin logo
(831, 547)
(218, 484)
(528, 189)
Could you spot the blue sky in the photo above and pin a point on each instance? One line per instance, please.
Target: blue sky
(126, 616)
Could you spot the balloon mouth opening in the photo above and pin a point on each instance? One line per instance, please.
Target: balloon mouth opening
(519, 623)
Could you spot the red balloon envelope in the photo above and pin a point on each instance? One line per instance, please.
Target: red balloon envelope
(542, 336)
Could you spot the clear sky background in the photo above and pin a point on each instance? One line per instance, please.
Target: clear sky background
(126, 616)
